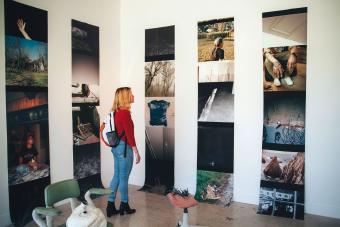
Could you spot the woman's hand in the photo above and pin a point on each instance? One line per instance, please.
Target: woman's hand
(21, 26)
(138, 158)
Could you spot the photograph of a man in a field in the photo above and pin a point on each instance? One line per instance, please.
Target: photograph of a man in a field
(216, 40)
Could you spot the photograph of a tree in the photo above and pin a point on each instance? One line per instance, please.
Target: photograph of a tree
(159, 79)
(26, 62)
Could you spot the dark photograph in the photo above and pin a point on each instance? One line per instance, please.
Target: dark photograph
(283, 203)
(27, 132)
(216, 102)
(85, 64)
(160, 44)
(284, 118)
(161, 141)
(26, 22)
(160, 79)
(86, 160)
(159, 162)
(216, 40)
(215, 147)
(85, 38)
(283, 167)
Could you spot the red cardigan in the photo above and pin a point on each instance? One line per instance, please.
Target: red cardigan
(124, 122)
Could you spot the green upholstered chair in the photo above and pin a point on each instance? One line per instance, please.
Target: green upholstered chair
(67, 189)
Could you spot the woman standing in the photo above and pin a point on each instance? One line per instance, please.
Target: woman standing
(124, 152)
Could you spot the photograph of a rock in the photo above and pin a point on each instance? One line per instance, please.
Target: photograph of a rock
(283, 166)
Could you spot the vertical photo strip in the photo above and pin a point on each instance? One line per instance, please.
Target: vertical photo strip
(284, 86)
(26, 71)
(159, 109)
(215, 120)
(85, 102)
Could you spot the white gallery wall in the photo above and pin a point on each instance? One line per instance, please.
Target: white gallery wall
(106, 15)
(122, 25)
(323, 92)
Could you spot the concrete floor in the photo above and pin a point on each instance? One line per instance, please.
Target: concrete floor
(155, 211)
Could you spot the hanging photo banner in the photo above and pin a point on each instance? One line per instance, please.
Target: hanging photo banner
(26, 108)
(85, 102)
(215, 154)
(159, 109)
(283, 144)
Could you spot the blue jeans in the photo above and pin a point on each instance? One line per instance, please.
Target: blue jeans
(122, 169)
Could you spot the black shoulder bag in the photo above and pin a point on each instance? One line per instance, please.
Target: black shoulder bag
(113, 138)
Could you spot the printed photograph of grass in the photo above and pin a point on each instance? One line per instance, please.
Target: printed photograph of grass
(214, 187)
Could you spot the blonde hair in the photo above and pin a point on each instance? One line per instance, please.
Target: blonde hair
(123, 98)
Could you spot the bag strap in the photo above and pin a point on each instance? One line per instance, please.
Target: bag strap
(110, 122)
(125, 147)
(114, 122)
(121, 136)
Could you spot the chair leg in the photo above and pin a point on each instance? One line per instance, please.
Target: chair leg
(185, 220)
(49, 221)
(38, 219)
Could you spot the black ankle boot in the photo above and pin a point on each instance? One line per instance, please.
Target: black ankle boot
(125, 208)
(111, 209)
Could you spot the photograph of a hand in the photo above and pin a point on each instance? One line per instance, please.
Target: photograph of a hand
(21, 26)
